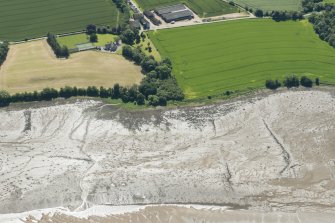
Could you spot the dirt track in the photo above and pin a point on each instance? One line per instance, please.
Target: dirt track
(272, 153)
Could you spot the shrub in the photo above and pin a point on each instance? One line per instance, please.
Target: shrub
(273, 85)
(317, 81)
(259, 13)
(93, 38)
(5, 98)
(306, 82)
(4, 47)
(291, 81)
(153, 100)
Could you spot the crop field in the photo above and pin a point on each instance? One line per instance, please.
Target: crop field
(21, 19)
(33, 66)
(269, 5)
(237, 55)
(202, 8)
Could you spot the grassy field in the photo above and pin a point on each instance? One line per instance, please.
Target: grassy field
(20, 19)
(269, 5)
(237, 55)
(33, 66)
(71, 41)
(203, 8)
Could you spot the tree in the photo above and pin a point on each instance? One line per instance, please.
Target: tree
(127, 52)
(273, 85)
(259, 13)
(5, 98)
(128, 37)
(317, 81)
(162, 101)
(291, 81)
(148, 87)
(48, 94)
(66, 92)
(163, 71)
(90, 29)
(4, 47)
(306, 82)
(104, 93)
(92, 91)
(170, 90)
(167, 61)
(93, 38)
(140, 100)
(138, 56)
(82, 92)
(65, 52)
(116, 93)
(148, 64)
(153, 100)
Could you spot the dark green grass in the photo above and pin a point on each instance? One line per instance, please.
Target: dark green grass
(202, 8)
(238, 55)
(20, 19)
(269, 5)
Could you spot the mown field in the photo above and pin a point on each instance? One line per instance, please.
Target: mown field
(269, 5)
(238, 55)
(33, 66)
(20, 19)
(203, 8)
(72, 40)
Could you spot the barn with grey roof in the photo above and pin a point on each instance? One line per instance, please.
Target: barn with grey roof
(174, 13)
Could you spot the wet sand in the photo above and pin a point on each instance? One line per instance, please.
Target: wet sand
(264, 154)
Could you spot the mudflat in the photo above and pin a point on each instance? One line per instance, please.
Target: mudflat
(264, 154)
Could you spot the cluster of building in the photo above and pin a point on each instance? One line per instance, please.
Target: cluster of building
(138, 20)
(170, 14)
(174, 13)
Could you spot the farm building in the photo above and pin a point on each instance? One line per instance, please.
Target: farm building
(177, 16)
(137, 16)
(169, 9)
(174, 13)
(145, 23)
(135, 24)
(111, 47)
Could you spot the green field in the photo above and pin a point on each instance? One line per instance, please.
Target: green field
(73, 40)
(202, 8)
(237, 55)
(269, 5)
(20, 19)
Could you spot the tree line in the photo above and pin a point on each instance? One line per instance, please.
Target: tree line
(126, 94)
(4, 48)
(292, 81)
(279, 15)
(60, 52)
(324, 25)
(316, 6)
